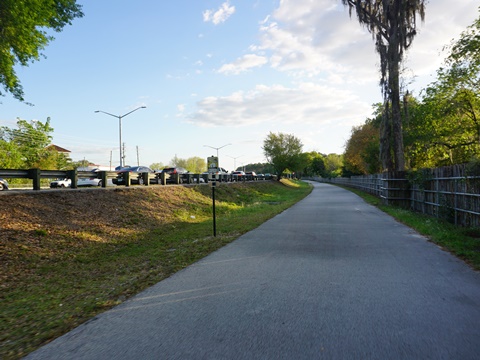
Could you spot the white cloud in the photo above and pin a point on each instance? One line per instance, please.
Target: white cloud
(318, 38)
(243, 64)
(304, 105)
(219, 16)
(311, 39)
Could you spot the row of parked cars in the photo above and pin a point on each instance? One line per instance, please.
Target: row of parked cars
(136, 171)
(138, 179)
(135, 174)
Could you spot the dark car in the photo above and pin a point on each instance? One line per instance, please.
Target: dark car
(171, 171)
(135, 175)
(3, 184)
(251, 175)
(238, 175)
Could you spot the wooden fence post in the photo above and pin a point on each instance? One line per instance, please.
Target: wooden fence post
(34, 174)
(163, 178)
(103, 176)
(176, 178)
(145, 178)
(72, 175)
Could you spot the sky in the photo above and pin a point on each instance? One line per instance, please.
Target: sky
(217, 74)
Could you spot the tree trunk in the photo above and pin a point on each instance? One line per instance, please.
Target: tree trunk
(394, 60)
(397, 128)
(385, 139)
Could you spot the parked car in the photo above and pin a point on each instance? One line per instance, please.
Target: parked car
(170, 171)
(91, 181)
(261, 176)
(238, 175)
(135, 175)
(202, 178)
(251, 175)
(61, 183)
(215, 173)
(3, 184)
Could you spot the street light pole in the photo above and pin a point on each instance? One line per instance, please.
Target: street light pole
(119, 117)
(217, 148)
(234, 161)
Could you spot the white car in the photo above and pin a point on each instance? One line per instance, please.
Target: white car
(91, 181)
(61, 183)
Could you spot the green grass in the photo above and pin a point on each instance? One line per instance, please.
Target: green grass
(58, 278)
(462, 242)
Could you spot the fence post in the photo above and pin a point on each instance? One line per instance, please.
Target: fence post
(72, 175)
(103, 176)
(126, 177)
(34, 174)
(145, 178)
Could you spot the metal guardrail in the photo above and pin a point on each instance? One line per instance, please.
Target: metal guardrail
(126, 178)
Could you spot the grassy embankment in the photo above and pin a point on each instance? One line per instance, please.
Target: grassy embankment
(69, 255)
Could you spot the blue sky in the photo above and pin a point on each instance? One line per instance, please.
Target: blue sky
(215, 73)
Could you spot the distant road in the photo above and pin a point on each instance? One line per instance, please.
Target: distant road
(330, 278)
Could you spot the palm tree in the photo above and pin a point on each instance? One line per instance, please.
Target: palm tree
(392, 24)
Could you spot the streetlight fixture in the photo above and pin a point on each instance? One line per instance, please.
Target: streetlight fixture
(119, 117)
(217, 148)
(234, 161)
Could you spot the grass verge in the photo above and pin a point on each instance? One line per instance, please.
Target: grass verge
(69, 255)
(462, 242)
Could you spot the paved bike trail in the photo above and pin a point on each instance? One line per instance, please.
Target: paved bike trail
(330, 278)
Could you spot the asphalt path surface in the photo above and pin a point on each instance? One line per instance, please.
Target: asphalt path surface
(330, 278)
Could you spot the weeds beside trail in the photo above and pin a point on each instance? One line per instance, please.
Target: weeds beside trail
(68, 255)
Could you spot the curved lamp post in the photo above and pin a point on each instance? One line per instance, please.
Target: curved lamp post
(119, 117)
(221, 147)
(217, 148)
(234, 161)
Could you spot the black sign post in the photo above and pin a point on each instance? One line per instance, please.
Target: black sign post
(214, 185)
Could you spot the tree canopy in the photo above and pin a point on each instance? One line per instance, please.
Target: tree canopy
(283, 151)
(442, 127)
(193, 164)
(23, 34)
(27, 147)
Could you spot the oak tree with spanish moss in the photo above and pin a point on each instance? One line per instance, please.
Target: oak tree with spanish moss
(392, 24)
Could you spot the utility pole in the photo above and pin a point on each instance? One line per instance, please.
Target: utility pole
(138, 158)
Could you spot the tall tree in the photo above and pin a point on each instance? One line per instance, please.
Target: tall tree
(23, 34)
(283, 151)
(157, 166)
(30, 139)
(196, 165)
(361, 150)
(333, 165)
(392, 24)
(444, 128)
(314, 164)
